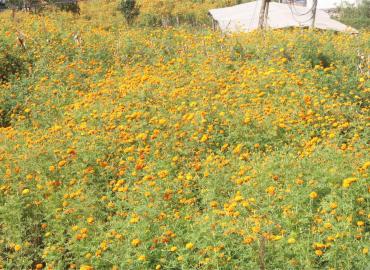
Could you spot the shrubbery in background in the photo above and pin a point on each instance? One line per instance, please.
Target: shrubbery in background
(130, 10)
(37, 6)
(175, 12)
(358, 17)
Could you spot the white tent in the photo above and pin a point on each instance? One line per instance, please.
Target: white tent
(245, 17)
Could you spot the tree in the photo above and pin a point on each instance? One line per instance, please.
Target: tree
(130, 10)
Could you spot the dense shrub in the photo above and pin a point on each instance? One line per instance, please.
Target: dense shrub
(130, 10)
(12, 67)
(72, 7)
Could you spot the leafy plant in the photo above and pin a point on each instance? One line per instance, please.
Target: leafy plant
(130, 10)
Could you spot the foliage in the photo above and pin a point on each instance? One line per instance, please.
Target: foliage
(10, 64)
(170, 12)
(130, 10)
(181, 148)
(358, 17)
(13, 64)
(38, 6)
(72, 7)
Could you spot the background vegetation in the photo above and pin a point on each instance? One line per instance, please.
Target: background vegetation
(358, 17)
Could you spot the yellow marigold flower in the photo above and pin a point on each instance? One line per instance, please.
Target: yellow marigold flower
(256, 229)
(204, 138)
(189, 176)
(163, 174)
(213, 204)
(135, 242)
(247, 120)
(90, 220)
(313, 195)
(142, 258)
(39, 266)
(88, 256)
(62, 163)
(104, 245)
(162, 121)
(348, 182)
(360, 200)
(360, 223)
(365, 250)
(270, 190)
(17, 247)
(276, 237)
(366, 165)
(238, 148)
(333, 205)
(86, 267)
(247, 240)
(319, 245)
(319, 252)
(299, 181)
(291, 241)
(158, 266)
(134, 220)
(173, 249)
(330, 238)
(189, 245)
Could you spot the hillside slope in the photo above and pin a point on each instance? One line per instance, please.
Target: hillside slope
(178, 148)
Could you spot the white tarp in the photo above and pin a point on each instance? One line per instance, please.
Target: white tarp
(245, 17)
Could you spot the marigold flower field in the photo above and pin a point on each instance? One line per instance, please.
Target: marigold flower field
(179, 147)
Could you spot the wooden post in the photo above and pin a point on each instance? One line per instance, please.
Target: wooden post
(13, 13)
(213, 23)
(314, 8)
(263, 13)
(266, 13)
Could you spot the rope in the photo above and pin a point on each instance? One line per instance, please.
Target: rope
(314, 5)
(292, 6)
